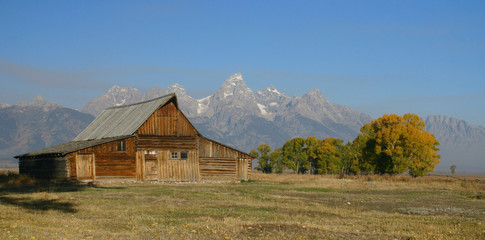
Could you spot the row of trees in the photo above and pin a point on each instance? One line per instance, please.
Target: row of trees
(391, 144)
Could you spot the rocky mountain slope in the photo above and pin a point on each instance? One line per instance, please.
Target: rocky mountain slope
(36, 125)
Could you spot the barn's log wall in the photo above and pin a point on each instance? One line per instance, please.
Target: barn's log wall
(167, 142)
(218, 162)
(167, 121)
(218, 169)
(109, 162)
(71, 162)
(210, 149)
(244, 167)
(53, 167)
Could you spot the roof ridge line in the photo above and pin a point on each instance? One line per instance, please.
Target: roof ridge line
(133, 104)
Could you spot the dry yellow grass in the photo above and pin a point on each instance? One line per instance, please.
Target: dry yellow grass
(268, 207)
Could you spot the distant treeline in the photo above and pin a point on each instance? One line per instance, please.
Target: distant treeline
(391, 144)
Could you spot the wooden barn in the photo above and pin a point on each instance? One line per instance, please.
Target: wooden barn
(146, 141)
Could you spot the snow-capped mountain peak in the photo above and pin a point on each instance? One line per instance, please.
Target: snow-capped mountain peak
(118, 89)
(272, 89)
(177, 89)
(235, 79)
(234, 86)
(270, 92)
(203, 105)
(115, 96)
(122, 95)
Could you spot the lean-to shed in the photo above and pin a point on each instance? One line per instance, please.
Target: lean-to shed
(151, 140)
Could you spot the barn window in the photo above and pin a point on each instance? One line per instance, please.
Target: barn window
(183, 155)
(175, 155)
(122, 146)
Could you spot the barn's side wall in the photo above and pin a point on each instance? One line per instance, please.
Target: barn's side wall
(52, 167)
(168, 142)
(220, 163)
(108, 161)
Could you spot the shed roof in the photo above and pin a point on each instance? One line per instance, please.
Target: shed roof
(123, 120)
(69, 147)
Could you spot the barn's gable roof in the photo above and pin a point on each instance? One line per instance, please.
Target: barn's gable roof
(123, 120)
(69, 147)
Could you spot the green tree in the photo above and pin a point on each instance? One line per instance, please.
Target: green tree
(329, 156)
(311, 146)
(350, 162)
(362, 150)
(453, 168)
(277, 161)
(395, 144)
(295, 156)
(262, 153)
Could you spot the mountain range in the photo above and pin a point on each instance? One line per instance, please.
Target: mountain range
(36, 125)
(240, 117)
(234, 115)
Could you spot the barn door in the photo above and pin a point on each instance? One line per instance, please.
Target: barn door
(85, 166)
(179, 166)
(151, 167)
(177, 170)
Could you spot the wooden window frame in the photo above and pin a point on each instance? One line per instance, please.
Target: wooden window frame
(175, 155)
(184, 155)
(121, 146)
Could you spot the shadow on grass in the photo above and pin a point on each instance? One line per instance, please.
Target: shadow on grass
(20, 194)
(39, 204)
(20, 191)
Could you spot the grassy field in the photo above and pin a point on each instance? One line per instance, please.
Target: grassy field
(267, 207)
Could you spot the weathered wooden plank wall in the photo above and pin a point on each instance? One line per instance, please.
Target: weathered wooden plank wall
(167, 121)
(167, 131)
(183, 170)
(218, 162)
(44, 167)
(71, 162)
(209, 149)
(219, 169)
(140, 166)
(250, 167)
(109, 163)
(166, 142)
(168, 169)
(85, 167)
(180, 170)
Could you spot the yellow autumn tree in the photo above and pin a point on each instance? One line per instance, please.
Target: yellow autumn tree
(396, 144)
(328, 155)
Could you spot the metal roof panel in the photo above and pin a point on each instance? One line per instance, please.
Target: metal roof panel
(123, 120)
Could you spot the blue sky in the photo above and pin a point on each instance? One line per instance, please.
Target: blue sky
(424, 57)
